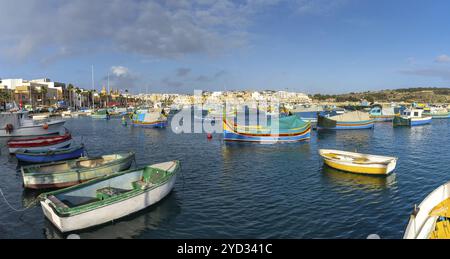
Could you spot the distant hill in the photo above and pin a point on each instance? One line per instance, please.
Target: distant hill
(409, 95)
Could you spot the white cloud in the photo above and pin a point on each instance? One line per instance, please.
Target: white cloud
(442, 59)
(120, 71)
(156, 29)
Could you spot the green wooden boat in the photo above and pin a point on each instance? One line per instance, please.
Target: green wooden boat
(72, 172)
(110, 197)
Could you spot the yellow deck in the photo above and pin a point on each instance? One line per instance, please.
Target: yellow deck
(442, 228)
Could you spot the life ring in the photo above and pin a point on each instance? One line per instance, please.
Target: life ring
(9, 128)
(45, 126)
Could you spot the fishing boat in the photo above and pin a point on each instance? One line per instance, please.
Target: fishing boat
(357, 162)
(152, 118)
(289, 129)
(40, 143)
(380, 114)
(350, 120)
(101, 114)
(49, 155)
(71, 172)
(411, 117)
(109, 198)
(16, 125)
(438, 113)
(431, 220)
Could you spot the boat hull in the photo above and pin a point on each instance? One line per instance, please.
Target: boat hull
(110, 212)
(156, 124)
(324, 123)
(401, 121)
(231, 135)
(382, 118)
(63, 144)
(371, 170)
(72, 177)
(381, 167)
(45, 158)
(34, 130)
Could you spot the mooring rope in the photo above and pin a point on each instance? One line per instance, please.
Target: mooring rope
(9, 205)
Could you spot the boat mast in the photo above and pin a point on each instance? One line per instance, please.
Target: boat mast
(93, 103)
(107, 94)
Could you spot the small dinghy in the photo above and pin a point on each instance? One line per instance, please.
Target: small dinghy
(431, 220)
(358, 163)
(49, 155)
(109, 198)
(71, 172)
(40, 143)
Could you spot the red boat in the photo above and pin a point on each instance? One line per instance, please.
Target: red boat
(40, 143)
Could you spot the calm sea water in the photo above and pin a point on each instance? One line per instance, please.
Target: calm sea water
(253, 190)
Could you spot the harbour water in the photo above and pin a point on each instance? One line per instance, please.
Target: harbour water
(253, 190)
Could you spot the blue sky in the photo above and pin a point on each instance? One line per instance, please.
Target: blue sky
(312, 46)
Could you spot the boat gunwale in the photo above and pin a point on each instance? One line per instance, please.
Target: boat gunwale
(439, 188)
(62, 151)
(26, 169)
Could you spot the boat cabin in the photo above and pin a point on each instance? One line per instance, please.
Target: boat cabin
(412, 113)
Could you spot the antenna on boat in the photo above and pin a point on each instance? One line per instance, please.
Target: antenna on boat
(92, 71)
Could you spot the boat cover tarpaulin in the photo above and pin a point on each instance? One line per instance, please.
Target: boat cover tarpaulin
(284, 125)
(351, 117)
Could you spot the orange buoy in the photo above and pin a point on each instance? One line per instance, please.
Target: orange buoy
(45, 126)
(209, 136)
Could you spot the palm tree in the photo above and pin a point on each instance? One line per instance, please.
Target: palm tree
(43, 91)
(70, 88)
(4, 97)
(78, 92)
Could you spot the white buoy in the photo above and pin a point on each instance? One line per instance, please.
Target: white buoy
(373, 236)
(73, 236)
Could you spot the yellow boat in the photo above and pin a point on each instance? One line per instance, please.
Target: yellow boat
(358, 163)
(431, 220)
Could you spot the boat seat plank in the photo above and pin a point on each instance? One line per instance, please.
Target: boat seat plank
(57, 202)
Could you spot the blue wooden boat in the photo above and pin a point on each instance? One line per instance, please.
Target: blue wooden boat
(382, 114)
(290, 129)
(151, 118)
(52, 155)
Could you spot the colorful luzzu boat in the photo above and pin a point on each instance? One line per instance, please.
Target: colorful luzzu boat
(290, 129)
(150, 119)
(346, 121)
(411, 117)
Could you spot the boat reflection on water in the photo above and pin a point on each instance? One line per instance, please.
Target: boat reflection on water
(128, 227)
(357, 181)
(236, 151)
(347, 137)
